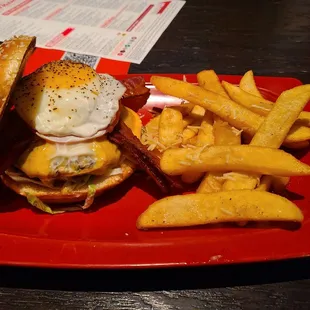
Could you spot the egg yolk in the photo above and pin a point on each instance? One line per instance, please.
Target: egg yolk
(62, 75)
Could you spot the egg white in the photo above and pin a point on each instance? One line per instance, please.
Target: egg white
(74, 114)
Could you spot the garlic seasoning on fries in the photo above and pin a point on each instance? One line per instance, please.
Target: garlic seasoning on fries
(232, 179)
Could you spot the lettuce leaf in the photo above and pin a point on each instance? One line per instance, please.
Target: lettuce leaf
(76, 183)
(20, 177)
(90, 196)
(39, 204)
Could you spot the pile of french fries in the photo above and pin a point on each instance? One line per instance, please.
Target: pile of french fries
(227, 139)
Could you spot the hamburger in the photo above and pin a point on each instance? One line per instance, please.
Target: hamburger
(69, 110)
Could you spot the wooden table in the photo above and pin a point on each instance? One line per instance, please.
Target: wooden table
(271, 37)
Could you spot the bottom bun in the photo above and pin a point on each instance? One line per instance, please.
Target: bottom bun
(50, 195)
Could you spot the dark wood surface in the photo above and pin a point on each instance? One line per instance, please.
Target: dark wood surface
(272, 38)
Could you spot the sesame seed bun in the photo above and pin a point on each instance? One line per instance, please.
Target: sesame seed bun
(14, 133)
(14, 54)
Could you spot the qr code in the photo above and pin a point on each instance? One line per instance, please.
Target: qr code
(92, 61)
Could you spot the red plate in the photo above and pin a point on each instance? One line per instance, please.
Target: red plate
(106, 237)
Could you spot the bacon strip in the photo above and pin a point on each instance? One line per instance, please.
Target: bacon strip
(136, 94)
(147, 161)
(135, 86)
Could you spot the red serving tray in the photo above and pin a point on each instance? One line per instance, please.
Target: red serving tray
(106, 236)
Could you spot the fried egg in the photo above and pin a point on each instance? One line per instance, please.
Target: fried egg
(64, 101)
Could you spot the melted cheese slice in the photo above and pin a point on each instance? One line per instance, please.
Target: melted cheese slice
(132, 120)
(38, 160)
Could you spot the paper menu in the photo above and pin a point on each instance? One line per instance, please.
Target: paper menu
(124, 30)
